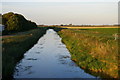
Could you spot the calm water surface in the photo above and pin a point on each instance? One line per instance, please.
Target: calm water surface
(49, 58)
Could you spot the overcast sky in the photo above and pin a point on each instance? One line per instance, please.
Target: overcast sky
(60, 0)
(77, 12)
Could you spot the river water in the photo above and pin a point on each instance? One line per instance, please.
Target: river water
(49, 58)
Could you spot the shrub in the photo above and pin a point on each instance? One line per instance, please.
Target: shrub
(16, 22)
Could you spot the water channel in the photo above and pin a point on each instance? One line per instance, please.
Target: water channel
(49, 58)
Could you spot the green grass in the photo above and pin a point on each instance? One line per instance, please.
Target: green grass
(94, 50)
(14, 46)
(99, 32)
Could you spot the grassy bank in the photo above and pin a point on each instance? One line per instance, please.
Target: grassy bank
(15, 45)
(94, 50)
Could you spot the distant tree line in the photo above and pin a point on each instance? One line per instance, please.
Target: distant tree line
(16, 23)
(87, 25)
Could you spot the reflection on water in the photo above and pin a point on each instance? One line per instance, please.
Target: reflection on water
(49, 58)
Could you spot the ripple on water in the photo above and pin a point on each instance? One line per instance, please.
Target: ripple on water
(40, 44)
(27, 68)
(61, 47)
(31, 59)
(63, 56)
(37, 52)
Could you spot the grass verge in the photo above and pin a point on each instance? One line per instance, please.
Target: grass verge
(94, 50)
(14, 46)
